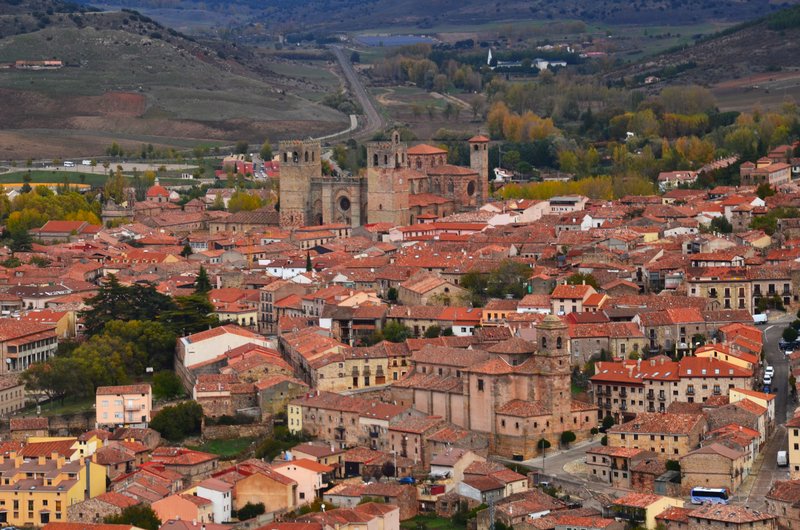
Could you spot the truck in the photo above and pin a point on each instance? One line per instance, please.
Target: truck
(760, 318)
(783, 459)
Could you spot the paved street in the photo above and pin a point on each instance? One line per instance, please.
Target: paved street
(374, 119)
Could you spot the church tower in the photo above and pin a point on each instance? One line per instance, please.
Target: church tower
(556, 363)
(387, 182)
(300, 163)
(479, 162)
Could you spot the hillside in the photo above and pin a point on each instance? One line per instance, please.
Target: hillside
(753, 63)
(127, 77)
(349, 15)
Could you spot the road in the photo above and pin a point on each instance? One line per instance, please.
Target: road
(765, 469)
(374, 121)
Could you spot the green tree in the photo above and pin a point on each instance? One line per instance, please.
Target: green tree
(673, 465)
(155, 344)
(567, 437)
(190, 314)
(764, 190)
(608, 421)
(266, 151)
(579, 278)
(391, 295)
(241, 147)
(242, 201)
(202, 284)
(721, 224)
(114, 301)
(115, 187)
(396, 332)
(167, 385)
(432, 332)
(176, 422)
(250, 510)
(187, 250)
(138, 515)
(543, 444)
(789, 334)
(309, 266)
(21, 241)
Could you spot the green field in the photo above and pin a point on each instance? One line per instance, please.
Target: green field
(73, 177)
(56, 408)
(225, 448)
(430, 522)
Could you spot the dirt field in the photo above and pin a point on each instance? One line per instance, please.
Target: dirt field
(766, 90)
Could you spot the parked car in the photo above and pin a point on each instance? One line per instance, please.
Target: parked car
(407, 480)
(767, 380)
(770, 371)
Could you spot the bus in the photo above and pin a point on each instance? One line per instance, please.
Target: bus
(709, 496)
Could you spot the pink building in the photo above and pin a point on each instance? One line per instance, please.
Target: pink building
(123, 406)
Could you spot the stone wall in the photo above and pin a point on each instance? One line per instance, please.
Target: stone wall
(224, 432)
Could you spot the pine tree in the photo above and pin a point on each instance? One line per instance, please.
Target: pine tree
(308, 262)
(202, 284)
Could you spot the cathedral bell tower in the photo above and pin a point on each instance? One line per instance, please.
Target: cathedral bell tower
(556, 363)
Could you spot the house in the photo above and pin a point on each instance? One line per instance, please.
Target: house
(793, 431)
(713, 466)
(642, 508)
(96, 509)
(64, 230)
(220, 494)
(720, 517)
(12, 394)
(184, 506)
(51, 486)
(123, 406)
(367, 516)
(783, 500)
(24, 343)
(188, 463)
(404, 496)
(570, 298)
(24, 428)
(311, 477)
(256, 482)
(485, 490)
(429, 289)
(668, 434)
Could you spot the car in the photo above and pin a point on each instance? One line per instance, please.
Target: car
(788, 352)
(407, 480)
(767, 380)
(769, 370)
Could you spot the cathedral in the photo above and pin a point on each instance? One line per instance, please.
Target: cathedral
(518, 392)
(401, 184)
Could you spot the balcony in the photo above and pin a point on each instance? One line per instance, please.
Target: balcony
(651, 409)
(690, 391)
(133, 407)
(651, 395)
(607, 405)
(623, 406)
(662, 397)
(623, 393)
(374, 434)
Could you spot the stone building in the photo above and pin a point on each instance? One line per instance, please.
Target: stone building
(516, 405)
(401, 184)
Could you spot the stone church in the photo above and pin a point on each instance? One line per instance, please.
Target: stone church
(401, 184)
(516, 391)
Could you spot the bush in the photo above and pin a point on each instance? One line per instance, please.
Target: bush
(139, 515)
(179, 421)
(543, 444)
(250, 510)
(167, 385)
(790, 334)
(567, 437)
(594, 431)
(281, 440)
(673, 465)
(608, 421)
(604, 440)
(433, 332)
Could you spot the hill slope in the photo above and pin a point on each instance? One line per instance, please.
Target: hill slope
(127, 77)
(348, 15)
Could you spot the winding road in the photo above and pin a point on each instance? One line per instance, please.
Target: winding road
(374, 121)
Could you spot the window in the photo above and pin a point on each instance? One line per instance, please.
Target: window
(480, 385)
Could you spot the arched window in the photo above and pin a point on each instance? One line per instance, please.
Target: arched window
(375, 159)
(295, 157)
(419, 163)
(306, 156)
(544, 343)
(312, 156)
(396, 160)
(285, 157)
(385, 160)
(558, 343)
(476, 147)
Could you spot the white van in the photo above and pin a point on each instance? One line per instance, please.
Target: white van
(69, 163)
(760, 318)
(783, 459)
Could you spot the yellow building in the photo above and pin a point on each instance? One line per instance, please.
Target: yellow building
(37, 490)
(793, 429)
(641, 508)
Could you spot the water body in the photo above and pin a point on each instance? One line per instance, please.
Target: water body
(394, 40)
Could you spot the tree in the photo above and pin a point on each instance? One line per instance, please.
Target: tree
(139, 515)
(266, 151)
(673, 465)
(579, 279)
(187, 250)
(176, 422)
(153, 343)
(250, 510)
(388, 469)
(604, 440)
(241, 147)
(721, 224)
(543, 444)
(396, 332)
(190, 314)
(433, 332)
(355, 57)
(202, 283)
(764, 190)
(21, 241)
(567, 437)
(167, 385)
(391, 295)
(242, 201)
(114, 301)
(309, 266)
(790, 334)
(115, 187)
(608, 422)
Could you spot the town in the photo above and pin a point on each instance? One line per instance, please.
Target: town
(400, 346)
(388, 265)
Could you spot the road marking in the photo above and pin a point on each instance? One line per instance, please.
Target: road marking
(768, 328)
